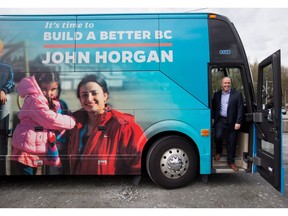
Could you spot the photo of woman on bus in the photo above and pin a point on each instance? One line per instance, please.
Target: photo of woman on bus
(34, 138)
(104, 141)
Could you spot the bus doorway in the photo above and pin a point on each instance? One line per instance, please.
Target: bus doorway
(221, 166)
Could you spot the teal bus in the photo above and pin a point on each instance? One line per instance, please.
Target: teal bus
(161, 71)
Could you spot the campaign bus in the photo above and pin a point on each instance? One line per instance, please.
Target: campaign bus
(137, 92)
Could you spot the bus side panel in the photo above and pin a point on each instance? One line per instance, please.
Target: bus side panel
(191, 55)
(153, 72)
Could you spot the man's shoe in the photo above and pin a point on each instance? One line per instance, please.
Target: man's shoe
(233, 167)
(217, 157)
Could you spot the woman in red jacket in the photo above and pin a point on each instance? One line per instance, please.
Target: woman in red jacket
(104, 141)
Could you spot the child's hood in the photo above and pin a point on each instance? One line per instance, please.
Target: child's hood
(28, 86)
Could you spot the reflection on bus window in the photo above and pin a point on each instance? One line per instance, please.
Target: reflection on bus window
(267, 93)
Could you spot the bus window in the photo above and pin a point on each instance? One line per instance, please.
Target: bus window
(267, 93)
(268, 103)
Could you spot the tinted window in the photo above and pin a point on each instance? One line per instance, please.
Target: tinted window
(224, 46)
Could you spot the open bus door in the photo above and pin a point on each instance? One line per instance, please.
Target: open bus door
(269, 125)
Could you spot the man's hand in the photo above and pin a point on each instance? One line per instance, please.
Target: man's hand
(237, 126)
(3, 97)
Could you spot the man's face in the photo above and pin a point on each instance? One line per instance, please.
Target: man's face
(226, 84)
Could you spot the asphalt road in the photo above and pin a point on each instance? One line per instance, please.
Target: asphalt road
(221, 191)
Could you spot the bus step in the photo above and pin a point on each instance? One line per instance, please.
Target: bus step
(226, 169)
(223, 161)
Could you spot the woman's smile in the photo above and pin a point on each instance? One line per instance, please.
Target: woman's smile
(93, 98)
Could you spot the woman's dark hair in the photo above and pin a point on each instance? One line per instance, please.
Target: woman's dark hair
(47, 77)
(93, 78)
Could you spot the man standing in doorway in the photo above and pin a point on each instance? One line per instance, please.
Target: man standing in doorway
(227, 115)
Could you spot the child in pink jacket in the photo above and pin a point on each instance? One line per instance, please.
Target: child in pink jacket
(39, 120)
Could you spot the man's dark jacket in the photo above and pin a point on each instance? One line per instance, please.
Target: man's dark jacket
(235, 108)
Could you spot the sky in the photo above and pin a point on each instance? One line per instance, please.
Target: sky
(262, 28)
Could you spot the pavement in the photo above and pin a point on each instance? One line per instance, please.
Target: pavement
(242, 190)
